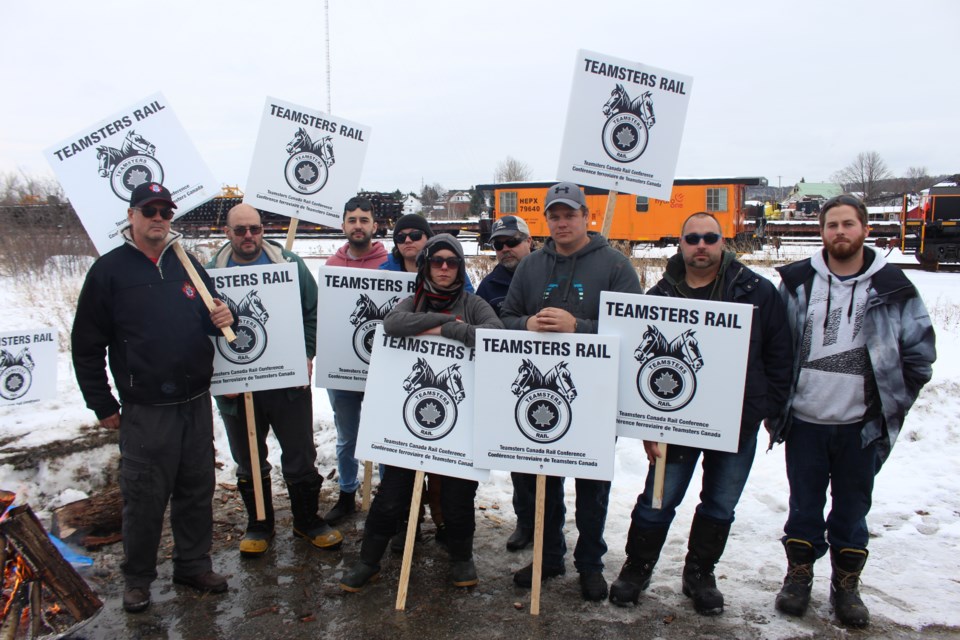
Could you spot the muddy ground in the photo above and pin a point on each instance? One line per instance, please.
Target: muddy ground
(292, 592)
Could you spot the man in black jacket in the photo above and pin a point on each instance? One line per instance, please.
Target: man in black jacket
(139, 306)
(704, 271)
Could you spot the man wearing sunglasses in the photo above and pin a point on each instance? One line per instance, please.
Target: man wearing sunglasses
(139, 306)
(557, 289)
(359, 252)
(704, 270)
(510, 238)
(865, 348)
(288, 411)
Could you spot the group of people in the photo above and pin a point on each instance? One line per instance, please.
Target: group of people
(837, 357)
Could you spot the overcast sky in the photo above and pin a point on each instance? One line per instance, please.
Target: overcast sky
(781, 89)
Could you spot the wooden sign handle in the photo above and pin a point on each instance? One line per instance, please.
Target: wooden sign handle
(412, 525)
(200, 286)
(254, 456)
(608, 214)
(658, 474)
(291, 232)
(366, 488)
(538, 545)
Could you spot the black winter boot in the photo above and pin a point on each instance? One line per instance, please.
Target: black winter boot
(643, 551)
(845, 587)
(794, 596)
(256, 540)
(463, 572)
(368, 568)
(707, 541)
(346, 505)
(304, 498)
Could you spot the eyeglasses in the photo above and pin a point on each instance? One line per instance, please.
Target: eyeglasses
(357, 203)
(414, 235)
(149, 212)
(695, 238)
(241, 229)
(499, 243)
(452, 262)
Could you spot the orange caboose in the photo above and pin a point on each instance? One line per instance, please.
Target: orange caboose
(637, 219)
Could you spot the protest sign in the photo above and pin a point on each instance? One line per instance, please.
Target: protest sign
(28, 366)
(624, 125)
(422, 416)
(100, 166)
(354, 303)
(269, 351)
(548, 403)
(683, 364)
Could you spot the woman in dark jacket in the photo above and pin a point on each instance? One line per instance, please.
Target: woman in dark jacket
(440, 306)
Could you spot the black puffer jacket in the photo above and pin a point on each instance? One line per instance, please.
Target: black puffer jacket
(154, 324)
(769, 363)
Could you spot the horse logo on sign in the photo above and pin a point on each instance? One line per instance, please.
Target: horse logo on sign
(667, 378)
(430, 411)
(307, 168)
(251, 339)
(365, 317)
(543, 410)
(15, 373)
(626, 132)
(129, 166)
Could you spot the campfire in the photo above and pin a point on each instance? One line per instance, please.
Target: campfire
(42, 595)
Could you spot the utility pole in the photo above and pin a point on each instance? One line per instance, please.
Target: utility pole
(326, 11)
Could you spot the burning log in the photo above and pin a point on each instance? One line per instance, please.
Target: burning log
(31, 566)
(91, 522)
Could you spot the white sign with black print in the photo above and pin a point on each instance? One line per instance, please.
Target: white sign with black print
(549, 403)
(683, 365)
(269, 351)
(353, 303)
(28, 366)
(306, 163)
(423, 417)
(624, 125)
(100, 166)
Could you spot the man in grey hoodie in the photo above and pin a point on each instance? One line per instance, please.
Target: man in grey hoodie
(558, 290)
(865, 347)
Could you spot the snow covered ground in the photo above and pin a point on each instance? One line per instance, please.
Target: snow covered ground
(910, 579)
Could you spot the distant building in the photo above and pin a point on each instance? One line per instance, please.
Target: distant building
(806, 197)
(411, 204)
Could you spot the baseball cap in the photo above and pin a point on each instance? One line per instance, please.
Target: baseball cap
(509, 226)
(564, 193)
(150, 192)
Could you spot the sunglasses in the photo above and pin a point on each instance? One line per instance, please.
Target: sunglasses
(357, 203)
(499, 243)
(452, 262)
(149, 212)
(414, 235)
(241, 229)
(695, 238)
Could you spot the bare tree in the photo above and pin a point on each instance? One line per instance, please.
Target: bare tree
(22, 188)
(864, 174)
(430, 194)
(511, 170)
(917, 179)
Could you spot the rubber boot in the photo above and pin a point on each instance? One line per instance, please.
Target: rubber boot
(346, 505)
(304, 499)
(794, 596)
(256, 540)
(707, 541)
(463, 572)
(643, 551)
(845, 587)
(368, 568)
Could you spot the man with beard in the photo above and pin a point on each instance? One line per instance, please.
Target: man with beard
(702, 270)
(359, 252)
(865, 347)
(510, 238)
(288, 411)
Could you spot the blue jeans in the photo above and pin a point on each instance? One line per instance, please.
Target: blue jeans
(821, 456)
(724, 476)
(591, 516)
(346, 416)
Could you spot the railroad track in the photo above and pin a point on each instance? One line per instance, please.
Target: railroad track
(942, 268)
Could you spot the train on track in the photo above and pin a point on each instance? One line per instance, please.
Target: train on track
(930, 226)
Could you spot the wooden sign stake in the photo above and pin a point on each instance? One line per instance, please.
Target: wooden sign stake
(366, 488)
(411, 537)
(254, 456)
(538, 545)
(658, 474)
(291, 232)
(200, 286)
(608, 214)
